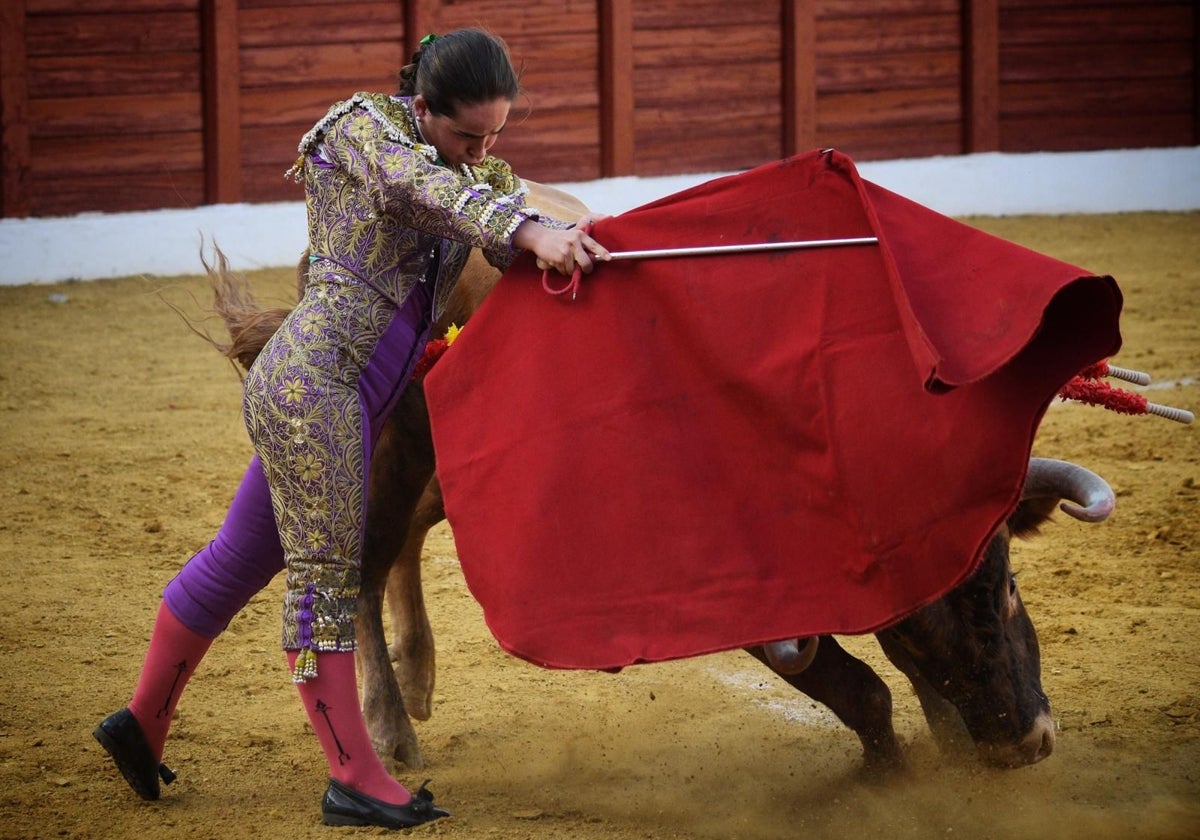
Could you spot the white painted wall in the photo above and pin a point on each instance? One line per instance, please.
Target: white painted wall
(167, 242)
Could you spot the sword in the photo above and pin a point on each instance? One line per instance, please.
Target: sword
(706, 250)
(572, 285)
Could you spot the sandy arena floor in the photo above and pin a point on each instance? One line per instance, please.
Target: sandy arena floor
(121, 445)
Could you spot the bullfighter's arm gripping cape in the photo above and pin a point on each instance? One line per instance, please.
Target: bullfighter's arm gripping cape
(705, 453)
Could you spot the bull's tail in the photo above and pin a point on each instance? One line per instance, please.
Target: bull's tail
(248, 324)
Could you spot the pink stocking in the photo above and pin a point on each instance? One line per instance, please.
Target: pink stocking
(331, 701)
(171, 659)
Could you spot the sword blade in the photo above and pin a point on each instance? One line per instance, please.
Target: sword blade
(709, 250)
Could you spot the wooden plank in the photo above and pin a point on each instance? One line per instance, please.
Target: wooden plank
(1072, 61)
(550, 130)
(105, 75)
(681, 125)
(661, 156)
(894, 141)
(799, 76)
(1088, 4)
(16, 179)
(272, 146)
(113, 193)
(747, 138)
(321, 25)
(90, 34)
(750, 79)
(905, 33)
(551, 89)
(222, 106)
(133, 156)
(1131, 98)
(895, 71)
(884, 109)
(1095, 131)
(254, 5)
(721, 13)
(737, 119)
(883, 10)
(559, 164)
(59, 7)
(617, 104)
(513, 21)
(266, 183)
(1113, 26)
(115, 115)
(981, 76)
(290, 107)
(370, 66)
(719, 45)
(545, 50)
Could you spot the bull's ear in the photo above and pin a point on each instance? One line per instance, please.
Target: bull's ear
(1030, 515)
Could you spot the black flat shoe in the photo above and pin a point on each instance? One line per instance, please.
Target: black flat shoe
(122, 736)
(346, 806)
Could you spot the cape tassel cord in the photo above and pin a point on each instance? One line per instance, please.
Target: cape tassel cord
(1087, 388)
(572, 285)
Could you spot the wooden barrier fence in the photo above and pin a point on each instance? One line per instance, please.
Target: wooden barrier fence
(119, 105)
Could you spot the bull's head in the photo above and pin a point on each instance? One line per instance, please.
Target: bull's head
(972, 656)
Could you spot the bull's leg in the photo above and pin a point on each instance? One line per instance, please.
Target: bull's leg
(856, 694)
(949, 731)
(401, 466)
(392, 733)
(412, 648)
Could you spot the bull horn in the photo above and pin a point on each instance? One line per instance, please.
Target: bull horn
(787, 657)
(1089, 498)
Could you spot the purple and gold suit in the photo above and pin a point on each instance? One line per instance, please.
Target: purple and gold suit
(389, 230)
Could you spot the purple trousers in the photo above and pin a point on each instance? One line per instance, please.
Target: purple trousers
(220, 579)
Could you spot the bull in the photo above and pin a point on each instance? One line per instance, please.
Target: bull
(972, 656)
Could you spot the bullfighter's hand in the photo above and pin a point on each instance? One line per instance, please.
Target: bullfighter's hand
(562, 250)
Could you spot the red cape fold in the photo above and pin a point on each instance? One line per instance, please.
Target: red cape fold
(705, 453)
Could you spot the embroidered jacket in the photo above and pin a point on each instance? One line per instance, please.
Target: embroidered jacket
(383, 206)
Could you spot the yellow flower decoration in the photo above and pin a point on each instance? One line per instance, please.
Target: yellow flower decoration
(293, 390)
(313, 322)
(316, 540)
(361, 127)
(308, 467)
(393, 163)
(452, 333)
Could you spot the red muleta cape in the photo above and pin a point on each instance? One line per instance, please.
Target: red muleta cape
(705, 453)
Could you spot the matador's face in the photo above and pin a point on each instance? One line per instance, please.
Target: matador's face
(467, 136)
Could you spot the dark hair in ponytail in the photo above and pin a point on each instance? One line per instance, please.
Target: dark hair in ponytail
(464, 67)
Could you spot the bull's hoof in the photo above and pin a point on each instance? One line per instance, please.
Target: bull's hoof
(415, 679)
(410, 755)
(405, 750)
(880, 770)
(418, 704)
(884, 762)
